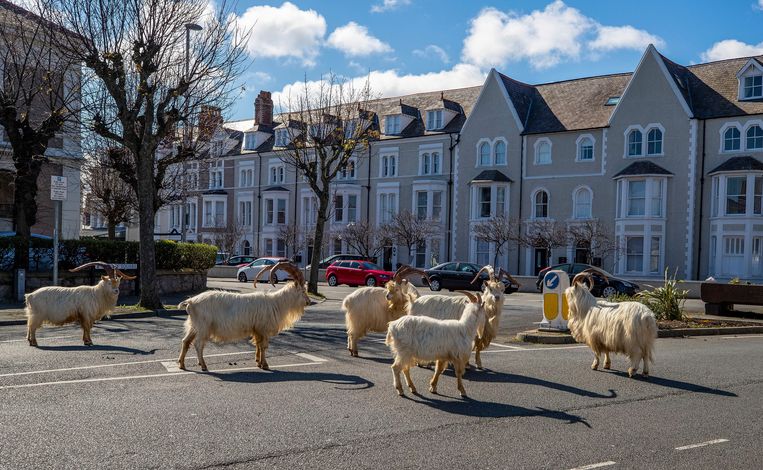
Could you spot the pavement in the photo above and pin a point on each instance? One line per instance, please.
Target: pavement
(124, 404)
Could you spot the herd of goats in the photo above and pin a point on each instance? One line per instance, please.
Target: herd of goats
(420, 329)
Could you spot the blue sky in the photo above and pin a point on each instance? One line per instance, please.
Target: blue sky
(417, 45)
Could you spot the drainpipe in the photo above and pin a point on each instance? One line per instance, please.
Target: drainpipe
(450, 193)
(294, 217)
(368, 187)
(259, 202)
(701, 199)
(521, 197)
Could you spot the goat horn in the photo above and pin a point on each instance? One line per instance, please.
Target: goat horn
(294, 271)
(400, 273)
(508, 276)
(125, 276)
(412, 270)
(109, 268)
(578, 279)
(262, 271)
(472, 297)
(487, 268)
(599, 272)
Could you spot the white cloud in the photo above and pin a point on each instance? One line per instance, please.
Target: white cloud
(609, 38)
(284, 31)
(354, 41)
(386, 83)
(544, 38)
(730, 48)
(760, 4)
(433, 50)
(391, 5)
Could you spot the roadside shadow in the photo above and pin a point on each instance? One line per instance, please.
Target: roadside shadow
(487, 409)
(490, 376)
(675, 384)
(341, 381)
(98, 347)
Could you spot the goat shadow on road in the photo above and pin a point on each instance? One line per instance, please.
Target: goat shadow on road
(491, 376)
(676, 384)
(99, 347)
(342, 381)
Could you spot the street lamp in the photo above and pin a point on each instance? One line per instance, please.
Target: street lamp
(186, 137)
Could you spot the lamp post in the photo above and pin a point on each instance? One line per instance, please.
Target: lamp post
(186, 137)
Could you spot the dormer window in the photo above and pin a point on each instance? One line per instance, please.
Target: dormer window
(392, 125)
(752, 87)
(434, 119)
(282, 138)
(250, 141)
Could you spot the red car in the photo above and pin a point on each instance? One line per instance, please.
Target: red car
(357, 272)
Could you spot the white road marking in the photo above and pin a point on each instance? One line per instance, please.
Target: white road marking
(742, 337)
(42, 338)
(595, 465)
(532, 349)
(702, 444)
(310, 357)
(147, 376)
(504, 346)
(171, 366)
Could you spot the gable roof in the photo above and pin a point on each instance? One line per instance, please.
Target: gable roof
(715, 89)
(744, 163)
(642, 168)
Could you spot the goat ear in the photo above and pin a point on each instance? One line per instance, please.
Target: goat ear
(105, 278)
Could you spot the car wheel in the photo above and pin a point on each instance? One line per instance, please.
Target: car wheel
(434, 285)
(332, 280)
(242, 277)
(608, 291)
(371, 281)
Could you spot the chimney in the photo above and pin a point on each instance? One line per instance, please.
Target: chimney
(263, 109)
(210, 118)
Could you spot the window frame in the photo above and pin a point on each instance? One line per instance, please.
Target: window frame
(576, 205)
(660, 142)
(579, 145)
(543, 141)
(536, 204)
(724, 139)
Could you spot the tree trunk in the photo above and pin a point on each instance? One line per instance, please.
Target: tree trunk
(320, 223)
(149, 295)
(25, 202)
(112, 230)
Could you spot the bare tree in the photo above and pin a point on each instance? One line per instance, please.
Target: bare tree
(227, 239)
(544, 233)
(364, 238)
(408, 230)
(145, 81)
(107, 193)
(290, 235)
(39, 101)
(597, 236)
(500, 231)
(326, 125)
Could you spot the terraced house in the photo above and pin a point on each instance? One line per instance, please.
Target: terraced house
(668, 157)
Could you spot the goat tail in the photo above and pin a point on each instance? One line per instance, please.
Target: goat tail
(184, 304)
(651, 338)
(389, 340)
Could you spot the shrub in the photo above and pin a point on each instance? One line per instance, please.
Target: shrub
(197, 256)
(667, 301)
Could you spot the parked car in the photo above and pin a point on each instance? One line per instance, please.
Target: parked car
(221, 257)
(458, 275)
(239, 260)
(326, 262)
(250, 271)
(356, 272)
(601, 287)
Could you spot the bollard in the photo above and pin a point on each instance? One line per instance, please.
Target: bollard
(555, 309)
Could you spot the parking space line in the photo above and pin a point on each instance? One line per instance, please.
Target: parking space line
(310, 357)
(504, 346)
(489, 351)
(23, 340)
(171, 366)
(702, 444)
(595, 465)
(742, 337)
(148, 376)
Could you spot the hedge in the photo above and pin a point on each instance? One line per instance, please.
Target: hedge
(170, 255)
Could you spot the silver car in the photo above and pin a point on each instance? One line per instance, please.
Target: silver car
(250, 271)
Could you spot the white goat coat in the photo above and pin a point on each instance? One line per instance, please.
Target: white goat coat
(59, 305)
(367, 309)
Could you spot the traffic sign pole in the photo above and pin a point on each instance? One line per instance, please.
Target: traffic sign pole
(57, 205)
(58, 192)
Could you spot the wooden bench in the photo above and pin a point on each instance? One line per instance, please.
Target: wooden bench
(720, 298)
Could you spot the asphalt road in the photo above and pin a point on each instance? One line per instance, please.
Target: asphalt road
(123, 404)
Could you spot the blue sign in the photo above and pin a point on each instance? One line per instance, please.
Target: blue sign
(551, 280)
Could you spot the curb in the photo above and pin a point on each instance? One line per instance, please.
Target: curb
(540, 337)
(116, 316)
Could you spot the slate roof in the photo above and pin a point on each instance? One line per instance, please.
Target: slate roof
(744, 163)
(492, 176)
(642, 168)
(714, 89)
(276, 188)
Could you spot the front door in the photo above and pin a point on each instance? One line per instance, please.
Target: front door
(541, 258)
(387, 259)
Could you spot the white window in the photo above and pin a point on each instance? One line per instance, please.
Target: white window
(542, 152)
(351, 129)
(277, 174)
(428, 205)
(736, 195)
(269, 246)
(540, 206)
(387, 207)
(214, 213)
(585, 149)
(246, 178)
(249, 141)
(636, 198)
(489, 201)
(654, 142)
(352, 207)
(583, 201)
(484, 154)
(190, 214)
(485, 201)
(388, 166)
(715, 196)
(634, 254)
(654, 256)
(193, 176)
(429, 163)
(434, 119)
(656, 197)
(392, 125)
(753, 87)
(216, 174)
(422, 204)
(732, 139)
(483, 253)
(309, 210)
(175, 216)
(348, 171)
(421, 253)
(500, 153)
(282, 138)
(713, 254)
(635, 143)
(246, 248)
(733, 255)
(754, 138)
(245, 213)
(757, 196)
(500, 201)
(275, 211)
(280, 248)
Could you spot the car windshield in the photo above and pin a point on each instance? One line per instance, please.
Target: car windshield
(367, 265)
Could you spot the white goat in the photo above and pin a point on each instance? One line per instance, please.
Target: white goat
(82, 304)
(419, 338)
(444, 307)
(608, 327)
(372, 308)
(226, 316)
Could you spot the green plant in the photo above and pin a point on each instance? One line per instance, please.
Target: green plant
(667, 301)
(620, 297)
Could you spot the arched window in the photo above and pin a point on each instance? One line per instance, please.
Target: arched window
(732, 139)
(635, 138)
(754, 138)
(585, 149)
(485, 154)
(246, 248)
(543, 153)
(583, 199)
(500, 153)
(541, 204)
(654, 142)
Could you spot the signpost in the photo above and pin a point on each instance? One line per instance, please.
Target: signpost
(58, 192)
(555, 309)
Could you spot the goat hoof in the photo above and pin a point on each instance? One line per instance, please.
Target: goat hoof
(89, 343)
(264, 367)
(33, 344)
(433, 390)
(204, 369)
(181, 366)
(631, 372)
(594, 366)
(607, 366)
(400, 393)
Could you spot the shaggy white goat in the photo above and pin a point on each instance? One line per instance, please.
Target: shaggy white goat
(372, 308)
(607, 327)
(82, 304)
(419, 338)
(444, 307)
(226, 316)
